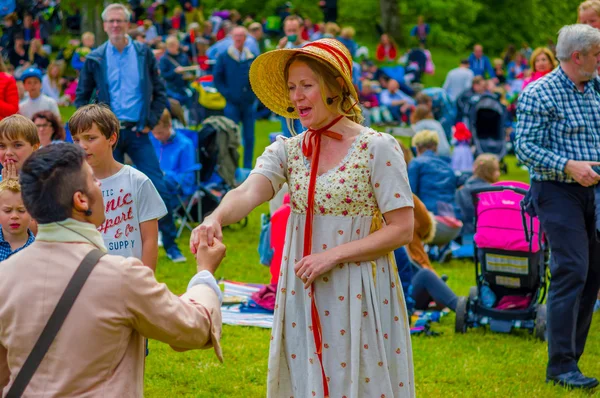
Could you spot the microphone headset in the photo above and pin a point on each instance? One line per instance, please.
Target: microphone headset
(329, 101)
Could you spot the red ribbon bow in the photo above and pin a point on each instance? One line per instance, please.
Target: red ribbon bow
(311, 147)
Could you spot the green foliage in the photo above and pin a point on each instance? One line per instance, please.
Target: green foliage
(451, 22)
(517, 21)
(459, 24)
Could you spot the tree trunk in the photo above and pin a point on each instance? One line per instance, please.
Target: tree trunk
(390, 18)
(91, 15)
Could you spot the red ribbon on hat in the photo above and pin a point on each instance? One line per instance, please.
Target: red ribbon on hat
(336, 52)
(311, 147)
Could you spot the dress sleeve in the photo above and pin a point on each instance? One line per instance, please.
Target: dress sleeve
(388, 174)
(273, 164)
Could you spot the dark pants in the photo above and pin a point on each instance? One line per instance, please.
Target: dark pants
(427, 286)
(244, 113)
(566, 212)
(330, 14)
(140, 150)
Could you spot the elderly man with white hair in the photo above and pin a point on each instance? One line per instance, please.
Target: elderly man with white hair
(558, 138)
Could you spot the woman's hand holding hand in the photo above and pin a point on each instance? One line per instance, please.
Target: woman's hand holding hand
(311, 267)
(210, 229)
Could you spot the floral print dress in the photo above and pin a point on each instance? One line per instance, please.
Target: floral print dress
(365, 328)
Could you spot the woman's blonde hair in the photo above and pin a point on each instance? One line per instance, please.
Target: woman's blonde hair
(348, 32)
(486, 167)
(543, 50)
(88, 35)
(408, 155)
(586, 5)
(55, 81)
(421, 112)
(328, 80)
(33, 50)
(331, 28)
(426, 139)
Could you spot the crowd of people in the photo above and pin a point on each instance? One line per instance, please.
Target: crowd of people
(353, 195)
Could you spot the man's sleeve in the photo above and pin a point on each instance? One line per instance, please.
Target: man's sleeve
(219, 76)
(85, 86)
(191, 321)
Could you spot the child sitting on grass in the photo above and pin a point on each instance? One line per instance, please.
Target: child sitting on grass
(14, 220)
(486, 171)
(373, 113)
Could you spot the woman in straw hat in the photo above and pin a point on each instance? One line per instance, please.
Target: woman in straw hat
(341, 327)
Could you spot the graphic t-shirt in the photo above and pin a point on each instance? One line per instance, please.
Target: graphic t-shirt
(130, 198)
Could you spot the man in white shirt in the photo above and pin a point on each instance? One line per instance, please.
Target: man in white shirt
(37, 102)
(458, 80)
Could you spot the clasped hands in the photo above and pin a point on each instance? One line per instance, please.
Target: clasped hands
(308, 269)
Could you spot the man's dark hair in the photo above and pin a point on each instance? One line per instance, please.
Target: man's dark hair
(49, 178)
(464, 61)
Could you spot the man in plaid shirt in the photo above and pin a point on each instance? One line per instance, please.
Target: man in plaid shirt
(558, 138)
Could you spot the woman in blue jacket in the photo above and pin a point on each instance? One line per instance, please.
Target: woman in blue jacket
(431, 177)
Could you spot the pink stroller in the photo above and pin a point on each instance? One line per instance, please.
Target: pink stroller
(510, 264)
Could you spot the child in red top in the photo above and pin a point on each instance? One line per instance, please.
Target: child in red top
(386, 49)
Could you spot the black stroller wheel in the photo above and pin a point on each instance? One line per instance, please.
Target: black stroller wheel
(540, 322)
(460, 325)
(473, 292)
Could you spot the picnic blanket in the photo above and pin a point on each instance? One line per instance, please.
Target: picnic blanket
(238, 307)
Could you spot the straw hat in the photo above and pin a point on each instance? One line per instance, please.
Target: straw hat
(267, 76)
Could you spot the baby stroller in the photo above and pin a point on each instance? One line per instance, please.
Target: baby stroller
(511, 259)
(487, 120)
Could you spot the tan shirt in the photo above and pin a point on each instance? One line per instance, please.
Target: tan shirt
(99, 351)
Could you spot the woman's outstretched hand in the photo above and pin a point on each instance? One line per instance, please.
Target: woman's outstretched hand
(210, 229)
(311, 267)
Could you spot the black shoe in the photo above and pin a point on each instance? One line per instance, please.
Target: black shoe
(574, 379)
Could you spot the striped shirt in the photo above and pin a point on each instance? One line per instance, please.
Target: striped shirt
(556, 123)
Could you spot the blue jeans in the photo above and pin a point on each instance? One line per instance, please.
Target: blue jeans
(245, 114)
(427, 286)
(140, 150)
(284, 128)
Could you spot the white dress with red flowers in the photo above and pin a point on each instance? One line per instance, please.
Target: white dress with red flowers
(366, 335)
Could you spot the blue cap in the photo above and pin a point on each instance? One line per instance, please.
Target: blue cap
(31, 72)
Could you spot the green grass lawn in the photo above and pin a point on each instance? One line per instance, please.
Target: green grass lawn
(477, 364)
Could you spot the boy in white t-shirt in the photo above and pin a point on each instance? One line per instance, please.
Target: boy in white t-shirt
(132, 204)
(37, 102)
